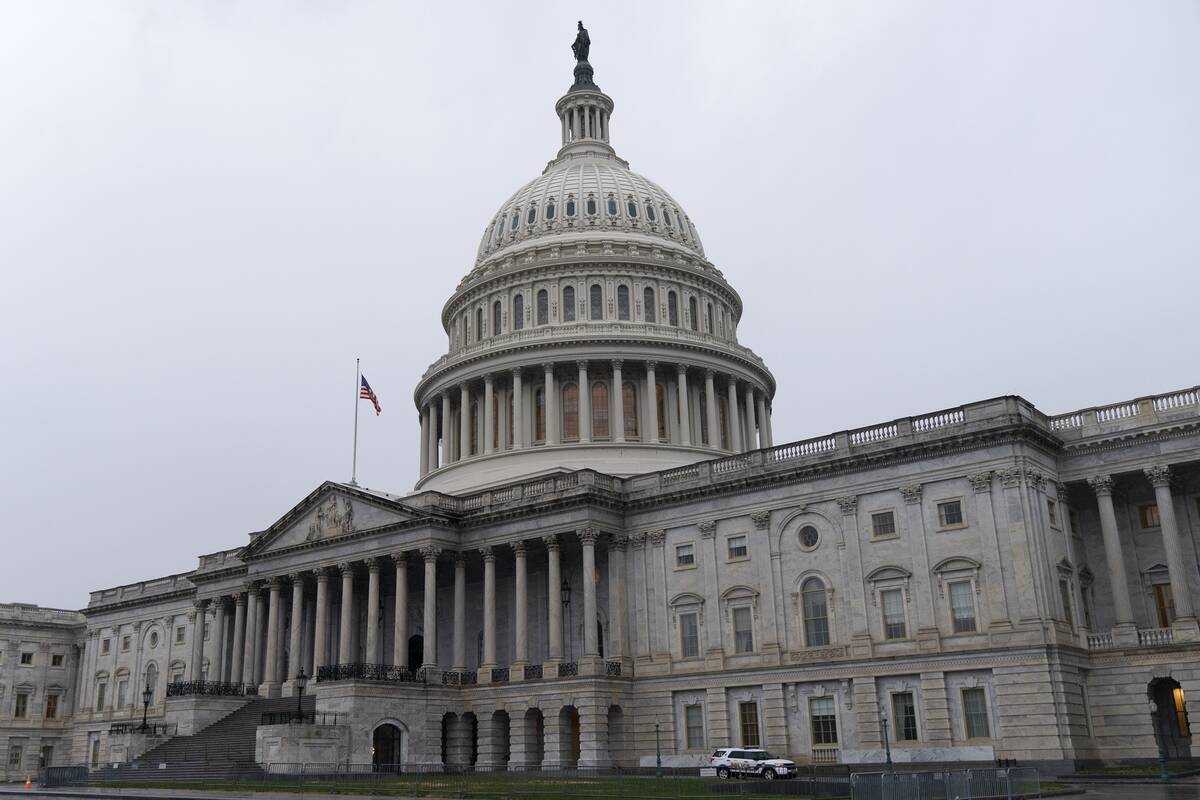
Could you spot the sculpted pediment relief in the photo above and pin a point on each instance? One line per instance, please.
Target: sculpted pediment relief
(327, 514)
(332, 518)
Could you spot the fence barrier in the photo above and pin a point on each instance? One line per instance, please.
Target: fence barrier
(966, 784)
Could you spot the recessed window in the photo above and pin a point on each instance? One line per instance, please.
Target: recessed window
(648, 304)
(570, 206)
(748, 722)
(1073, 520)
(596, 302)
(975, 714)
(611, 206)
(21, 710)
(950, 513)
(14, 755)
(743, 630)
(590, 206)
(894, 626)
(685, 555)
(904, 710)
(516, 221)
(673, 310)
(962, 607)
(824, 720)
(106, 646)
(531, 217)
(650, 213)
(26, 659)
(689, 635)
(629, 405)
(1064, 590)
(600, 410)
(816, 613)
(1052, 512)
(543, 307)
(101, 689)
(568, 304)
(709, 312)
(56, 660)
(809, 537)
(883, 524)
(1148, 514)
(570, 412)
(51, 706)
(518, 312)
(667, 216)
(179, 634)
(1164, 605)
(738, 546)
(550, 210)
(693, 317)
(478, 337)
(693, 717)
(631, 208)
(623, 302)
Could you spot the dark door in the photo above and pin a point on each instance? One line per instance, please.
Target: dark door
(386, 744)
(416, 651)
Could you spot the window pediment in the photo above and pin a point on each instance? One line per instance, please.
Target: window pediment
(889, 574)
(686, 599)
(957, 564)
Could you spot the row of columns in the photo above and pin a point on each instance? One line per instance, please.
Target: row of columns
(446, 417)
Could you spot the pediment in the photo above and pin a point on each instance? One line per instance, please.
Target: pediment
(332, 512)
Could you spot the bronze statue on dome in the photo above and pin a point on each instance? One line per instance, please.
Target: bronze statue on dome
(582, 44)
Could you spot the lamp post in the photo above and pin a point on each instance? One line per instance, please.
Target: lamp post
(565, 591)
(657, 751)
(300, 681)
(887, 748)
(147, 696)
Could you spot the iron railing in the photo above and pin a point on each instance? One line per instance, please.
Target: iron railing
(568, 669)
(500, 674)
(299, 718)
(533, 672)
(612, 669)
(158, 729)
(190, 688)
(385, 673)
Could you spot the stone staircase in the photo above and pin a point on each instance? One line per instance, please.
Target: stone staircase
(224, 751)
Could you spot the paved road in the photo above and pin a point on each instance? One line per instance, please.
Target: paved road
(1141, 791)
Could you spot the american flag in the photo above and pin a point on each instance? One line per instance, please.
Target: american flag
(365, 392)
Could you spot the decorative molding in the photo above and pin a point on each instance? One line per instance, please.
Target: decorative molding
(761, 519)
(848, 504)
(430, 552)
(656, 537)
(1034, 479)
(551, 541)
(588, 536)
(638, 540)
(1158, 475)
(981, 481)
(1010, 477)
(1102, 485)
(707, 527)
(911, 493)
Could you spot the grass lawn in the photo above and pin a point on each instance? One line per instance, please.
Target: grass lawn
(1140, 769)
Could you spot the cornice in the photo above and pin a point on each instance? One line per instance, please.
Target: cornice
(133, 602)
(1122, 440)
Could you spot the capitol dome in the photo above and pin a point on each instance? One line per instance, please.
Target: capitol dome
(592, 332)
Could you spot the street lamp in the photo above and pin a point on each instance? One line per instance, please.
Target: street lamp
(300, 681)
(657, 752)
(886, 745)
(565, 591)
(147, 696)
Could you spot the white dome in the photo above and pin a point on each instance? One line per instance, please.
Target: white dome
(579, 194)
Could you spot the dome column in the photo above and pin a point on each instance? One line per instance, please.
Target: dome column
(652, 403)
(764, 438)
(464, 421)
(685, 425)
(518, 416)
(585, 404)
(447, 455)
(551, 405)
(751, 422)
(489, 427)
(733, 417)
(617, 395)
(425, 440)
(710, 393)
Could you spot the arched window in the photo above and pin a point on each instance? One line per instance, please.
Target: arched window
(631, 208)
(596, 302)
(500, 229)
(570, 412)
(705, 435)
(622, 302)
(660, 397)
(600, 410)
(570, 205)
(515, 222)
(723, 421)
(474, 427)
(667, 216)
(497, 315)
(673, 309)
(539, 415)
(611, 206)
(693, 317)
(550, 209)
(590, 206)
(629, 408)
(568, 304)
(531, 217)
(518, 317)
(543, 307)
(711, 328)
(478, 324)
(152, 680)
(816, 613)
(650, 215)
(648, 304)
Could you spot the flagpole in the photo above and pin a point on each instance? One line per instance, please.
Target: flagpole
(357, 383)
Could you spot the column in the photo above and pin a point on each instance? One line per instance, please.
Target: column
(239, 637)
(489, 416)
(763, 439)
(430, 554)
(424, 440)
(651, 404)
(271, 669)
(321, 635)
(554, 603)
(464, 420)
(489, 608)
(710, 397)
(460, 612)
(521, 603)
(248, 644)
(447, 451)
(347, 616)
(400, 646)
(585, 403)
(552, 423)
(1177, 569)
(1122, 608)
(685, 424)
(766, 418)
(735, 426)
(260, 625)
(751, 422)
(296, 643)
(198, 613)
(216, 658)
(374, 653)
(616, 596)
(617, 396)
(591, 644)
(518, 419)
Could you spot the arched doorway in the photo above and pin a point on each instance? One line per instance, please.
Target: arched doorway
(387, 748)
(1171, 728)
(416, 651)
(568, 737)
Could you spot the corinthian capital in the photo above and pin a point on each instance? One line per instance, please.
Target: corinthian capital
(1101, 484)
(1158, 475)
(430, 552)
(589, 536)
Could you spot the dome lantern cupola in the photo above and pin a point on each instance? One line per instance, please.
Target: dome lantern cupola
(584, 111)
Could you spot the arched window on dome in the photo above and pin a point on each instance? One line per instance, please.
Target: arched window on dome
(723, 421)
(543, 307)
(568, 304)
(596, 302)
(648, 304)
(570, 412)
(611, 206)
(631, 208)
(570, 209)
(705, 434)
(709, 311)
(693, 317)
(622, 302)
(816, 613)
(462, 331)
(590, 206)
(539, 415)
(474, 443)
(667, 216)
(660, 397)
(518, 317)
(650, 213)
(600, 410)
(550, 210)
(629, 407)
(500, 229)
(531, 217)
(515, 222)
(497, 316)
(673, 309)
(683, 226)
(479, 324)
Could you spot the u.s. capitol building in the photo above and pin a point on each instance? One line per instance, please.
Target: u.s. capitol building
(605, 539)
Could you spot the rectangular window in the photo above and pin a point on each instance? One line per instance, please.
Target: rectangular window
(738, 547)
(179, 634)
(1052, 510)
(21, 710)
(1064, 589)
(1073, 520)
(106, 646)
(1164, 605)
(177, 677)
(743, 630)
(975, 715)
(26, 659)
(904, 711)
(748, 722)
(1148, 514)
(689, 636)
(51, 706)
(694, 721)
(962, 606)
(14, 756)
(950, 513)
(122, 693)
(883, 524)
(101, 688)
(685, 555)
(125, 642)
(892, 601)
(56, 660)
(824, 720)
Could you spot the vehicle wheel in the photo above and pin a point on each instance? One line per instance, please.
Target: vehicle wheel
(723, 773)
(769, 774)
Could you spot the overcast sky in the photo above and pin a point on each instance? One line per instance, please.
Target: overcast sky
(208, 209)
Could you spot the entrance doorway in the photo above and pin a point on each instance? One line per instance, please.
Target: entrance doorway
(387, 748)
(1171, 726)
(416, 651)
